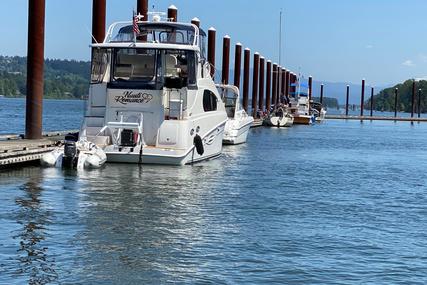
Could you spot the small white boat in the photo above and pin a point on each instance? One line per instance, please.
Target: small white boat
(239, 122)
(299, 105)
(79, 154)
(280, 118)
(318, 111)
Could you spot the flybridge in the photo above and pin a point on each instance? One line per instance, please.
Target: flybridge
(155, 32)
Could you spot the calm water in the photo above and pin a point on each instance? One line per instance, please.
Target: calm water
(335, 203)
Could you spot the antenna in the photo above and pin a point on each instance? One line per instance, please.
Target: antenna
(280, 38)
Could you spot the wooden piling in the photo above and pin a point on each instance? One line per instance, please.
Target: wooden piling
(395, 101)
(142, 8)
(35, 69)
(172, 13)
(283, 86)
(98, 20)
(255, 85)
(261, 84)
(211, 49)
(278, 82)
(372, 100)
(347, 99)
(196, 22)
(419, 103)
(362, 97)
(274, 88)
(246, 71)
(413, 99)
(321, 94)
(310, 88)
(268, 88)
(287, 84)
(225, 59)
(237, 64)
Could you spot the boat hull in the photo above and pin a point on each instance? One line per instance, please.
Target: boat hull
(303, 120)
(239, 134)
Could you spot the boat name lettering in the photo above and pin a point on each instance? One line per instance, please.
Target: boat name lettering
(133, 97)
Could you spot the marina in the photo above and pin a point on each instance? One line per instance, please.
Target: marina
(194, 158)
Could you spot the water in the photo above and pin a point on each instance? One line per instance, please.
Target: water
(334, 203)
(58, 115)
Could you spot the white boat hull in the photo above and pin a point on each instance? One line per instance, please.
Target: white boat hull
(236, 132)
(285, 121)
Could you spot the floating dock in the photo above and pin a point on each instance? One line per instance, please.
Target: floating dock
(375, 118)
(14, 149)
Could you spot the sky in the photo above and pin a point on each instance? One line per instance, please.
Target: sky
(383, 41)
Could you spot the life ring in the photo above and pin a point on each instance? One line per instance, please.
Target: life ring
(198, 143)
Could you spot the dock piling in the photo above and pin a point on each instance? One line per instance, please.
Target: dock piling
(261, 83)
(196, 22)
(255, 80)
(211, 49)
(321, 93)
(172, 13)
(246, 71)
(310, 87)
(395, 102)
(362, 97)
(372, 100)
(413, 99)
(268, 87)
(347, 99)
(142, 8)
(283, 86)
(274, 88)
(287, 85)
(225, 59)
(419, 103)
(98, 20)
(35, 68)
(237, 64)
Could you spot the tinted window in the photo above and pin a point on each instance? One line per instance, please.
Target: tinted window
(209, 101)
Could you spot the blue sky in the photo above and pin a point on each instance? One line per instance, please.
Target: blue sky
(383, 41)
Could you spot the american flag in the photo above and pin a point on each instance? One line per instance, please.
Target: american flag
(135, 24)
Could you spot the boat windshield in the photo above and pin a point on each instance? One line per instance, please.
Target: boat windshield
(157, 33)
(230, 99)
(144, 68)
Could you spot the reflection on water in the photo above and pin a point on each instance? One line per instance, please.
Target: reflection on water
(31, 215)
(340, 202)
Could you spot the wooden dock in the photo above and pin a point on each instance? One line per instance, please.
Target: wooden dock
(16, 150)
(375, 118)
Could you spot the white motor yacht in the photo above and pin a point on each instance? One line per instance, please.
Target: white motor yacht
(152, 98)
(239, 122)
(299, 105)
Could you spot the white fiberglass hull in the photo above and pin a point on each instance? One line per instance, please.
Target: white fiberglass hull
(236, 131)
(212, 146)
(285, 121)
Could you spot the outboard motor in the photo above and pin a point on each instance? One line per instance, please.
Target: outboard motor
(69, 160)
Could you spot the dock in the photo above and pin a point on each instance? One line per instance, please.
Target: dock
(14, 149)
(375, 118)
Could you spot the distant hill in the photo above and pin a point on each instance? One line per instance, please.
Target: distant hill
(384, 100)
(327, 102)
(63, 78)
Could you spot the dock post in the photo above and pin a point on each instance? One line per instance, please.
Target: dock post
(310, 88)
(372, 100)
(35, 69)
(419, 103)
(274, 89)
(237, 64)
(196, 22)
(283, 86)
(225, 59)
(142, 8)
(287, 85)
(268, 88)
(279, 83)
(347, 99)
(255, 79)
(321, 93)
(395, 102)
(246, 71)
(413, 99)
(261, 84)
(172, 13)
(211, 49)
(362, 97)
(98, 20)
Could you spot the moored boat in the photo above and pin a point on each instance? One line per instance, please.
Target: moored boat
(237, 127)
(279, 118)
(152, 98)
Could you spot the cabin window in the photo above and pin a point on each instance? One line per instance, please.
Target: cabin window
(135, 65)
(100, 60)
(180, 67)
(209, 101)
